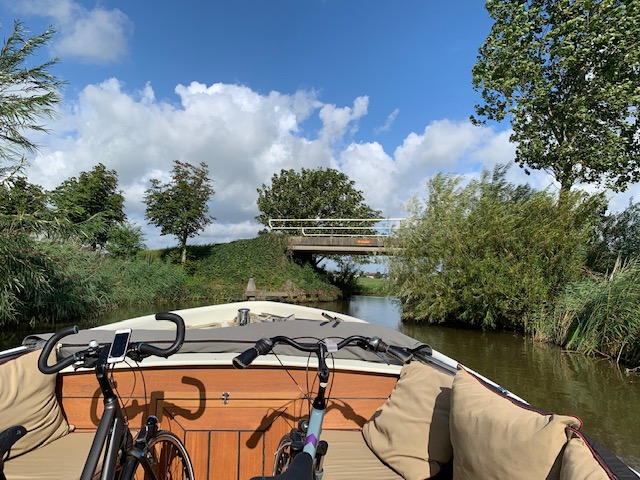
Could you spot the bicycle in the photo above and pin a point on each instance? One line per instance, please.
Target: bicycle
(300, 454)
(154, 454)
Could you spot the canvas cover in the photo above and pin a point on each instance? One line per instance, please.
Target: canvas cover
(237, 339)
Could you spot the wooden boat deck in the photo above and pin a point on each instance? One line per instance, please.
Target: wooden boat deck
(230, 421)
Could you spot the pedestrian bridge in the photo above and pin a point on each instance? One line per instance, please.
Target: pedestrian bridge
(340, 236)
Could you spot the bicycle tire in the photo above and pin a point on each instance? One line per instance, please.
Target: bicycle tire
(168, 457)
(283, 455)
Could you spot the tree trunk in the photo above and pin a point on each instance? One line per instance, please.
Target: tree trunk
(183, 244)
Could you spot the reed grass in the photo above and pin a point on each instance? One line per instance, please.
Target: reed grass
(601, 315)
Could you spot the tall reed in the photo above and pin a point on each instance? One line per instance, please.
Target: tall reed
(601, 315)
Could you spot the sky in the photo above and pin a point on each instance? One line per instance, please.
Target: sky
(378, 89)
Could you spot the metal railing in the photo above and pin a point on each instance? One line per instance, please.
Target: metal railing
(336, 227)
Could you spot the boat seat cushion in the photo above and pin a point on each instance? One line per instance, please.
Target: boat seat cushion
(62, 459)
(28, 398)
(410, 432)
(349, 457)
(495, 436)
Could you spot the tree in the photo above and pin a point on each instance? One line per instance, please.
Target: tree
(318, 193)
(93, 193)
(28, 94)
(313, 194)
(125, 240)
(616, 239)
(567, 74)
(180, 207)
(487, 255)
(19, 197)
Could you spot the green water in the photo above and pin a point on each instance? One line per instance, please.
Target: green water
(598, 391)
(605, 397)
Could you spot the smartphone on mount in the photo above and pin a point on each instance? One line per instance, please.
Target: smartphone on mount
(119, 345)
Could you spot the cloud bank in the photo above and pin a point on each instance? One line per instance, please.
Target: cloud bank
(246, 137)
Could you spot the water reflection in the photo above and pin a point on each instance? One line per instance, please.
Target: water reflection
(597, 391)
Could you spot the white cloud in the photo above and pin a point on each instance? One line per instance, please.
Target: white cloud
(98, 36)
(245, 138)
(387, 124)
(336, 121)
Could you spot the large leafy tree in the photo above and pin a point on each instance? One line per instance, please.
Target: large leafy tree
(321, 193)
(28, 95)
(19, 197)
(567, 75)
(306, 194)
(93, 194)
(180, 207)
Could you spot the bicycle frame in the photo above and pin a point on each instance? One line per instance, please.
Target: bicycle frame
(113, 434)
(308, 464)
(319, 406)
(113, 440)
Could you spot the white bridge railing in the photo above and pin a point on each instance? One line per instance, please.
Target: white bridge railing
(337, 227)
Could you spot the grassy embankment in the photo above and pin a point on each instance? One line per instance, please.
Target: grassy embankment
(77, 285)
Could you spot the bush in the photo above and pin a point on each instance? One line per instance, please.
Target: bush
(599, 316)
(60, 282)
(490, 253)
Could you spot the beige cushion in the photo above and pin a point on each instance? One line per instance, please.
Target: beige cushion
(28, 398)
(495, 437)
(62, 459)
(349, 457)
(579, 462)
(410, 432)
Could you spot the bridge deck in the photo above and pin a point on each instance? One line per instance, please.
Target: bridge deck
(338, 245)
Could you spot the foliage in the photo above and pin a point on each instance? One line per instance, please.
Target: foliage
(314, 194)
(346, 275)
(309, 194)
(56, 283)
(264, 259)
(17, 197)
(92, 194)
(180, 207)
(488, 253)
(567, 73)
(598, 316)
(125, 240)
(28, 95)
(378, 286)
(617, 238)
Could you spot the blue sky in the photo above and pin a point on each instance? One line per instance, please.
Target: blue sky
(378, 89)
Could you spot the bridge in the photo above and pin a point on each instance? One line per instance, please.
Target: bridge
(341, 236)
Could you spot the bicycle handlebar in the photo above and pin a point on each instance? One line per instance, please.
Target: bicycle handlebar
(138, 349)
(375, 344)
(43, 359)
(146, 349)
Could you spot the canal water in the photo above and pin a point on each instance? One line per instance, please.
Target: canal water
(603, 395)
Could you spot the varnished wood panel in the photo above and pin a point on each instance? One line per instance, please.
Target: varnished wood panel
(232, 438)
(198, 446)
(224, 453)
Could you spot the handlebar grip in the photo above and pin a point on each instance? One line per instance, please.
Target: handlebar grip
(43, 359)
(262, 347)
(147, 349)
(400, 353)
(245, 358)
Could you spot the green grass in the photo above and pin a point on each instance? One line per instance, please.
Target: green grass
(373, 286)
(599, 316)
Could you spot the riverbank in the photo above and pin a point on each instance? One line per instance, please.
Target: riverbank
(75, 284)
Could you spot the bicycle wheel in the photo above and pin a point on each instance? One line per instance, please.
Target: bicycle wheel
(168, 458)
(283, 455)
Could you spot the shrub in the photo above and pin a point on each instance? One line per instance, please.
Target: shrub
(599, 315)
(489, 253)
